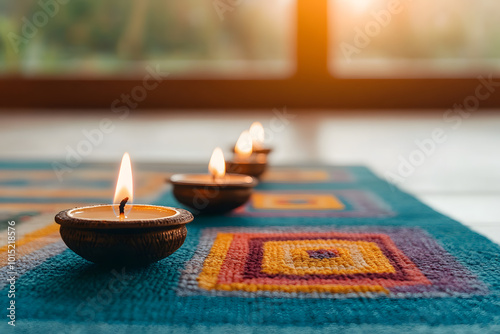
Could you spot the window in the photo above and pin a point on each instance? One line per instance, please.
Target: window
(250, 53)
(404, 38)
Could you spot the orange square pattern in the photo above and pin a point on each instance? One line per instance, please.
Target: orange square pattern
(278, 201)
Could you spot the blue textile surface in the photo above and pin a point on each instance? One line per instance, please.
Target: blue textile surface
(66, 294)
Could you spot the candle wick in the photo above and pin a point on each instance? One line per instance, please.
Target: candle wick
(122, 208)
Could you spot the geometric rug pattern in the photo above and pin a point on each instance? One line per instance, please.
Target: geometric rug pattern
(332, 263)
(333, 203)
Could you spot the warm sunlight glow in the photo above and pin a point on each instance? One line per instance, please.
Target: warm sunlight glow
(217, 164)
(257, 134)
(124, 185)
(243, 146)
(361, 5)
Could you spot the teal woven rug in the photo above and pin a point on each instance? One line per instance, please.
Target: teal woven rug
(316, 250)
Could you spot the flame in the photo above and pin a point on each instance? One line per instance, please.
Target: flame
(257, 134)
(124, 185)
(243, 146)
(217, 164)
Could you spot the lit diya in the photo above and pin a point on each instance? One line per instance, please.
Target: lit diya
(124, 233)
(258, 136)
(216, 192)
(245, 161)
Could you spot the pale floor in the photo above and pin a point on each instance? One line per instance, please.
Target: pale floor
(459, 177)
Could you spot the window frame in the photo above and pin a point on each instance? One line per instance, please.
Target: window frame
(311, 86)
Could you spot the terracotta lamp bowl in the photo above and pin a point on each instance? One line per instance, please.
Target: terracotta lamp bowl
(136, 242)
(201, 193)
(263, 150)
(252, 168)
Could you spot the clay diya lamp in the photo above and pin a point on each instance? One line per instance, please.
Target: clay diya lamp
(213, 193)
(257, 134)
(245, 161)
(124, 234)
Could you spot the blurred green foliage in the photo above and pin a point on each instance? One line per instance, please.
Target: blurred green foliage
(109, 36)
